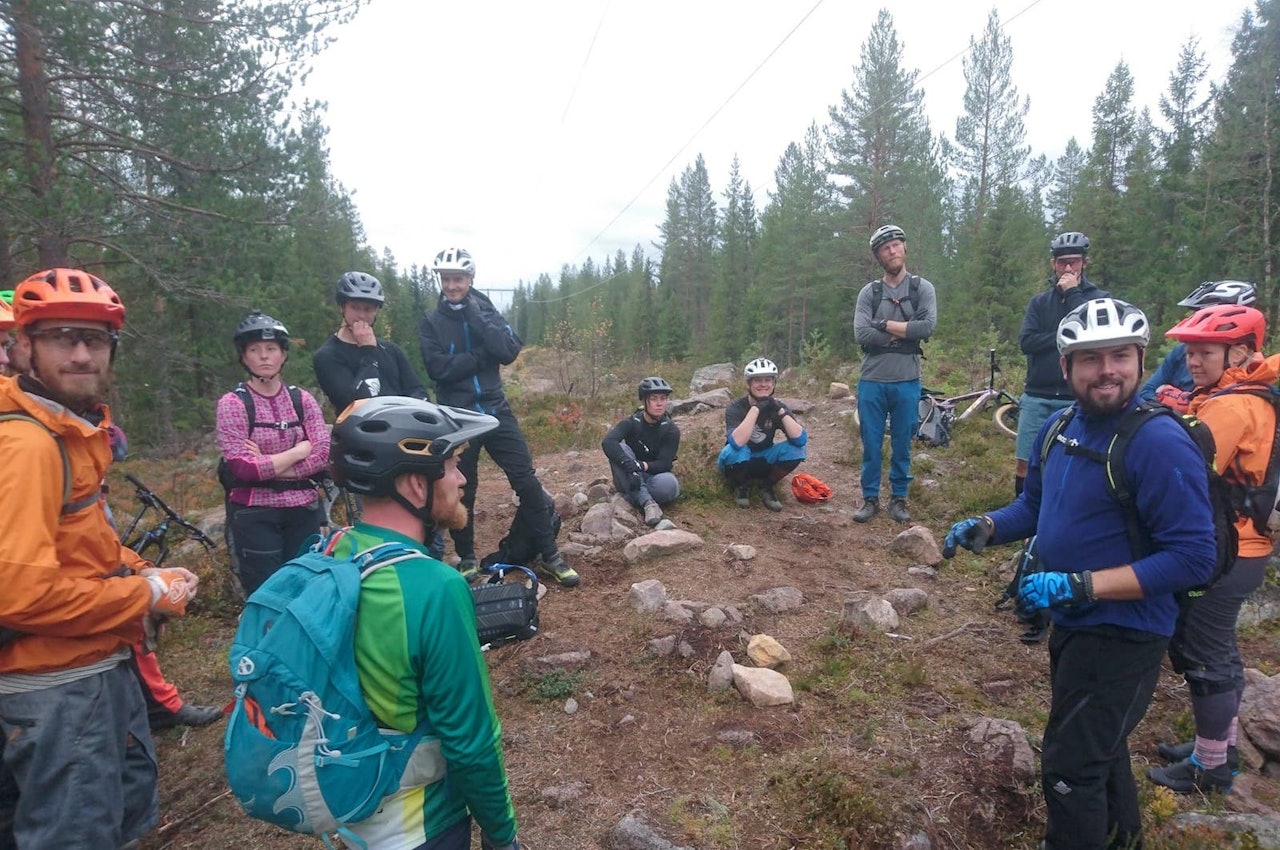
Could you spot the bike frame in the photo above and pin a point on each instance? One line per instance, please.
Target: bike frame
(978, 399)
(156, 537)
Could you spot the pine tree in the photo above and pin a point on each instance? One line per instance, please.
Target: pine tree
(883, 156)
(990, 151)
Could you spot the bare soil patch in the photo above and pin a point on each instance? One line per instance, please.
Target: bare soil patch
(873, 750)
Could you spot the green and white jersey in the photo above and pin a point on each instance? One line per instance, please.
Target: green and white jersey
(420, 662)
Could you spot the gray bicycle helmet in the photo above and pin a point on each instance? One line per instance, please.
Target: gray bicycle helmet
(1069, 244)
(258, 326)
(454, 260)
(761, 367)
(377, 440)
(887, 233)
(1212, 292)
(1102, 323)
(649, 386)
(358, 286)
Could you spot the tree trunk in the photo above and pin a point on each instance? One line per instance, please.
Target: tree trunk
(37, 130)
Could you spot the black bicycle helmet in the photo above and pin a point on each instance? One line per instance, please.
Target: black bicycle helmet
(259, 326)
(358, 286)
(888, 233)
(1213, 292)
(377, 440)
(1069, 243)
(649, 386)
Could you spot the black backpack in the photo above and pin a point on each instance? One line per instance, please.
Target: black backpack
(1260, 503)
(1220, 501)
(229, 481)
(913, 298)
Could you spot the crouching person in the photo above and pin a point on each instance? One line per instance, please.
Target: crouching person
(750, 455)
(642, 450)
(417, 655)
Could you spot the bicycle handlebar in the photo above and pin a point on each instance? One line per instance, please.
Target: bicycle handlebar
(150, 499)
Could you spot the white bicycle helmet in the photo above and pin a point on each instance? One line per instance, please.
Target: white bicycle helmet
(1103, 323)
(888, 233)
(454, 260)
(1214, 292)
(761, 367)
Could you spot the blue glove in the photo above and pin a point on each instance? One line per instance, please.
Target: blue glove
(1055, 590)
(972, 533)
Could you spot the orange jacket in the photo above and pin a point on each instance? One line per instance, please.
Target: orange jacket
(54, 569)
(1243, 428)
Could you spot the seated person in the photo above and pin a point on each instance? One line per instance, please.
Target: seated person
(752, 422)
(642, 449)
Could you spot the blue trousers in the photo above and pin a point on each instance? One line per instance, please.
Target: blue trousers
(899, 402)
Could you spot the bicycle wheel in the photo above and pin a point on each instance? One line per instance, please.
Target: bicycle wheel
(1006, 418)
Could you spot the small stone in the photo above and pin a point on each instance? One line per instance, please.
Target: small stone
(571, 706)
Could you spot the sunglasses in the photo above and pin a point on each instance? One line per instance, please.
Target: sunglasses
(67, 339)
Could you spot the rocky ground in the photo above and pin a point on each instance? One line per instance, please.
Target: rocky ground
(921, 734)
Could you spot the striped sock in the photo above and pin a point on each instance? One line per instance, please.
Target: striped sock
(1209, 753)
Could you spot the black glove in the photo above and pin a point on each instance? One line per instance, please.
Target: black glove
(780, 409)
(632, 469)
(767, 406)
(972, 533)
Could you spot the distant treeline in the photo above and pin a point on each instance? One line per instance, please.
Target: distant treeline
(161, 150)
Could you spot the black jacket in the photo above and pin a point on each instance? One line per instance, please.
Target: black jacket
(463, 351)
(1039, 336)
(347, 372)
(654, 444)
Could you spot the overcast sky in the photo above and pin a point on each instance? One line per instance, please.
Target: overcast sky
(538, 134)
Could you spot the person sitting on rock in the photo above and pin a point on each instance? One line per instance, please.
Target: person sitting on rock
(752, 422)
(642, 450)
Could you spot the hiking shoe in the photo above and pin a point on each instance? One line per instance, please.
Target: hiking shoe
(1178, 752)
(469, 567)
(1187, 776)
(652, 513)
(558, 569)
(188, 715)
(742, 497)
(870, 507)
(898, 511)
(770, 498)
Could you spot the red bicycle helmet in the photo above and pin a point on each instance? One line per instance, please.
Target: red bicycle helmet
(1228, 324)
(66, 294)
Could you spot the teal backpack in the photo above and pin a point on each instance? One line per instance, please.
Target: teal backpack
(303, 749)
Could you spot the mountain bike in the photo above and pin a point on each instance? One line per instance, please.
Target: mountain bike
(1006, 413)
(938, 411)
(156, 537)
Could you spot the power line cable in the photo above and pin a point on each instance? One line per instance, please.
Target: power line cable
(720, 109)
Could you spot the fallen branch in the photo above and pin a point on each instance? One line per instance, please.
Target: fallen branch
(173, 824)
(940, 638)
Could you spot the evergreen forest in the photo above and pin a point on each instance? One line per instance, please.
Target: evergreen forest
(161, 145)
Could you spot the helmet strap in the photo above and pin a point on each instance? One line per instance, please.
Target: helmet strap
(424, 512)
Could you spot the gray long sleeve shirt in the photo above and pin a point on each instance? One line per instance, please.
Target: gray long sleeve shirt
(895, 306)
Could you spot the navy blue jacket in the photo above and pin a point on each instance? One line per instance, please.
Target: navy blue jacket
(463, 351)
(656, 444)
(1079, 525)
(1039, 336)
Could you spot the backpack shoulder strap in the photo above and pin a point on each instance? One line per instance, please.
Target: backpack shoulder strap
(1117, 475)
(246, 397)
(877, 295)
(913, 293)
(295, 395)
(1054, 434)
(68, 506)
